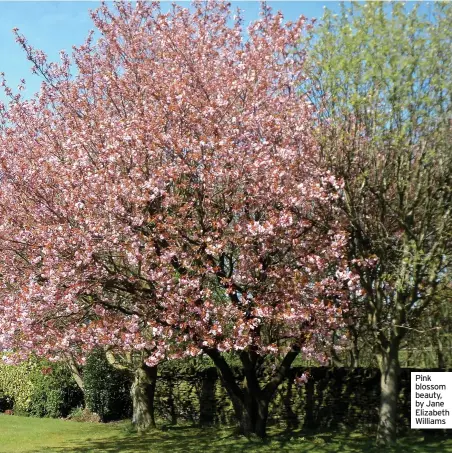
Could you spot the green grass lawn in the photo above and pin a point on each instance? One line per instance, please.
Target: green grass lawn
(22, 434)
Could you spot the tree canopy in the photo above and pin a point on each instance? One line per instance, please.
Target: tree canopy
(167, 197)
(383, 88)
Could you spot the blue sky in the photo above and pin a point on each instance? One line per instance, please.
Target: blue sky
(54, 26)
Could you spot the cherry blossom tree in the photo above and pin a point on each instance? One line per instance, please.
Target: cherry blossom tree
(164, 200)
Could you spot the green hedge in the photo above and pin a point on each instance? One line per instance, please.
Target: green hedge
(333, 398)
(107, 389)
(39, 388)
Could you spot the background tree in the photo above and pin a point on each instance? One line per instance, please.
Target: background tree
(108, 388)
(167, 200)
(142, 389)
(429, 345)
(383, 87)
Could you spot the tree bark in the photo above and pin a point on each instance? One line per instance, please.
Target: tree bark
(251, 402)
(254, 416)
(142, 392)
(441, 362)
(76, 373)
(207, 404)
(388, 360)
(354, 351)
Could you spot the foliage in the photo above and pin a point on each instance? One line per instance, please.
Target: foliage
(167, 199)
(384, 111)
(6, 403)
(434, 347)
(191, 366)
(107, 389)
(80, 414)
(55, 393)
(40, 388)
(202, 189)
(16, 383)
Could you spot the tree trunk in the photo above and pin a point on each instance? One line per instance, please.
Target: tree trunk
(354, 351)
(77, 375)
(388, 361)
(261, 418)
(309, 419)
(172, 408)
(292, 419)
(207, 403)
(251, 402)
(252, 415)
(441, 362)
(142, 392)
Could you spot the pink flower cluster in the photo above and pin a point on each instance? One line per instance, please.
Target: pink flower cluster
(167, 198)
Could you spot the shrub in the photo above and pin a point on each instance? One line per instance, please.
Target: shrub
(16, 383)
(55, 393)
(107, 389)
(39, 388)
(84, 415)
(6, 402)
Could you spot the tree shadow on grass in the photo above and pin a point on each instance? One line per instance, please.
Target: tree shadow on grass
(174, 439)
(183, 439)
(348, 441)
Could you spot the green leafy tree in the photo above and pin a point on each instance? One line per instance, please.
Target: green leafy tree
(430, 344)
(107, 389)
(382, 85)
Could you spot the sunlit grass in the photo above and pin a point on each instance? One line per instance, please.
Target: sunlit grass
(21, 434)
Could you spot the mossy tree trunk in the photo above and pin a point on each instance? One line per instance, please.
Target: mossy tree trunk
(143, 392)
(388, 361)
